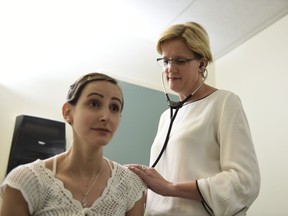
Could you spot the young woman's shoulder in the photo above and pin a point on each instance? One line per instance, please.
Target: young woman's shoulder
(24, 179)
(122, 171)
(24, 172)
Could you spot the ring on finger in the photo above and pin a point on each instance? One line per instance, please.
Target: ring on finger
(143, 168)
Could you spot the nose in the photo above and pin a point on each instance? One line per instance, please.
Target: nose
(104, 115)
(171, 67)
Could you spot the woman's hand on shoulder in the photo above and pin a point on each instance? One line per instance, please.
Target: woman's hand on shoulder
(13, 203)
(159, 185)
(152, 179)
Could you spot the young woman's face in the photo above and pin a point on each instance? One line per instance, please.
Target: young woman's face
(96, 116)
(183, 78)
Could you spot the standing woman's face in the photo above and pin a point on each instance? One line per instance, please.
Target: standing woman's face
(96, 115)
(183, 78)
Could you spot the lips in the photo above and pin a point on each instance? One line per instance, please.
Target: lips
(173, 78)
(102, 130)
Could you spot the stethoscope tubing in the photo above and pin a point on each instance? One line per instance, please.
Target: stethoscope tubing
(173, 105)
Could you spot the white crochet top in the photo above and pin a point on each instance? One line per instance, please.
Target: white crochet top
(46, 195)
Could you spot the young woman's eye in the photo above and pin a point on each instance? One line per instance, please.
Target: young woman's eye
(95, 104)
(115, 108)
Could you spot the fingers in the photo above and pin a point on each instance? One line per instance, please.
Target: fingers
(138, 168)
(143, 168)
(141, 171)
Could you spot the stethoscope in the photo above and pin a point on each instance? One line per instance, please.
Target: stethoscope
(177, 106)
(174, 105)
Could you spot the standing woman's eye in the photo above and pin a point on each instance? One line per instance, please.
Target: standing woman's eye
(165, 62)
(180, 61)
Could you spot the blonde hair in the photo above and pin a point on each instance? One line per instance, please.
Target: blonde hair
(193, 34)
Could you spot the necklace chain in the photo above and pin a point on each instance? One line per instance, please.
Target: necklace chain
(84, 201)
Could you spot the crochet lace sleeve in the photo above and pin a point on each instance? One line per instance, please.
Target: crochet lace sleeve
(136, 189)
(23, 179)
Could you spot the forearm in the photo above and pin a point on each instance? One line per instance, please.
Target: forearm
(186, 190)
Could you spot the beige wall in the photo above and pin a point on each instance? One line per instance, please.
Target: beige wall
(257, 72)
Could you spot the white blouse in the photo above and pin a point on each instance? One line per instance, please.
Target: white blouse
(210, 142)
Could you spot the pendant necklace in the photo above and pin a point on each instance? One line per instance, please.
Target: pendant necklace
(84, 201)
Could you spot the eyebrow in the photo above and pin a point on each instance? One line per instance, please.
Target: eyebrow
(100, 95)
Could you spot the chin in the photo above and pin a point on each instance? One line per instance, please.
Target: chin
(173, 88)
(174, 85)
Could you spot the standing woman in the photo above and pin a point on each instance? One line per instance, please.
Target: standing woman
(209, 166)
(79, 181)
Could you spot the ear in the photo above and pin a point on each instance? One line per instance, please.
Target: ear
(203, 65)
(67, 112)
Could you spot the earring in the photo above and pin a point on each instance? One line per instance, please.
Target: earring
(204, 73)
